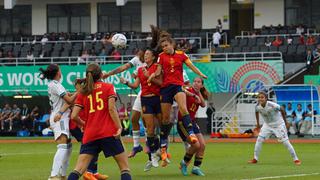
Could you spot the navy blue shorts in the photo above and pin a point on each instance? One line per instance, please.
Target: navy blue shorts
(109, 145)
(168, 93)
(151, 105)
(77, 133)
(183, 132)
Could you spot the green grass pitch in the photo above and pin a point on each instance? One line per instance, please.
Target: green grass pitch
(32, 161)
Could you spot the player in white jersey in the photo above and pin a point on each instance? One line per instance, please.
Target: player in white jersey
(57, 97)
(274, 123)
(137, 62)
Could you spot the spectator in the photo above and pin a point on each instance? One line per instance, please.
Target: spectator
(309, 60)
(289, 40)
(116, 55)
(29, 56)
(10, 57)
(15, 118)
(210, 116)
(301, 40)
(35, 114)
(216, 38)
(44, 40)
(268, 43)
(1, 56)
(219, 26)
(289, 114)
(300, 30)
(84, 57)
(42, 123)
(25, 117)
(316, 53)
(103, 54)
(277, 42)
(6, 113)
(307, 120)
(310, 40)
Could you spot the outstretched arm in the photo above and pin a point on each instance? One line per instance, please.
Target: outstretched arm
(194, 68)
(133, 85)
(117, 70)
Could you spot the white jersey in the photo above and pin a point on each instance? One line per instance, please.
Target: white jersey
(271, 114)
(135, 61)
(185, 76)
(56, 91)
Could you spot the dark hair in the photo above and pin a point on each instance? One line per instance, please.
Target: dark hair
(264, 94)
(204, 92)
(154, 52)
(159, 36)
(93, 74)
(50, 72)
(79, 81)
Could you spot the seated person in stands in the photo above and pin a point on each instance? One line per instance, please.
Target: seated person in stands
(310, 40)
(300, 29)
(289, 40)
(277, 42)
(301, 39)
(116, 54)
(25, 117)
(6, 113)
(267, 43)
(307, 120)
(316, 53)
(42, 123)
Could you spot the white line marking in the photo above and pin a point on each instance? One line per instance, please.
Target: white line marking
(284, 176)
(29, 153)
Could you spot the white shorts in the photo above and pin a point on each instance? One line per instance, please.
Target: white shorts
(137, 103)
(280, 132)
(60, 127)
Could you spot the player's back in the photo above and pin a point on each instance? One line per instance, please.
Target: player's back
(99, 123)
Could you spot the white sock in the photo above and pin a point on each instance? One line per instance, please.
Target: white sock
(66, 160)
(257, 147)
(288, 145)
(58, 159)
(136, 138)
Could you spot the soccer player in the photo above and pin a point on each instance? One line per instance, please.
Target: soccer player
(196, 96)
(57, 97)
(137, 62)
(150, 101)
(76, 132)
(102, 129)
(296, 124)
(171, 66)
(274, 123)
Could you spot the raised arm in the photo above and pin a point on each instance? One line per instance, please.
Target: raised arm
(117, 70)
(194, 68)
(133, 85)
(75, 116)
(70, 99)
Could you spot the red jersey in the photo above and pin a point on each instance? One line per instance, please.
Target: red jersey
(99, 123)
(172, 65)
(148, 88)
(192, 105)
(72, 124)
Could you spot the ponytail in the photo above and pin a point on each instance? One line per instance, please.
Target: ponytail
(50, 72)
(93, 74)
(205, 93)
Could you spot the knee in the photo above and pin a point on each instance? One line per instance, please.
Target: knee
(196, 146)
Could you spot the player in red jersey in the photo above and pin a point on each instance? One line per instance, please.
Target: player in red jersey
(102, 128)
(171, 66)
(195, 98)
(150, 101)
(76, 132)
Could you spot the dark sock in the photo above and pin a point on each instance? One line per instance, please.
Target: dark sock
(187, 158)
(149, 156)
(74, 175)
(156, 143)
(187, 123)
(164, 133)
(151, 145)
(93, 166)
(125, 175)
(197, 161)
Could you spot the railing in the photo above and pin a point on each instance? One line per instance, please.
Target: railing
(273, 35)
(76, 60)
(247, 56)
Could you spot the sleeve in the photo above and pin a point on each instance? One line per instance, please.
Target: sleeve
(79, 100)
(185, 57)
(256, 108)
(134, 61)
(139, 73)
(275, 106)
(111, 92)
(159, 61)
(60, 90)
(185, 76)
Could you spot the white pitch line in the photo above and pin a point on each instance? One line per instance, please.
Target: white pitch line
(29, 153)
(284, 176)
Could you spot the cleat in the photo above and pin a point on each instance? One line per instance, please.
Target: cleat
(253, 161)
(184, 168)
(169, 155)
(193, 138)
(101, 176)
(164, 154)
(165, 162)
(148, 166)
(154, 160)
(197, 171)
(135, 150)
(297, 162)
(89, 176)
